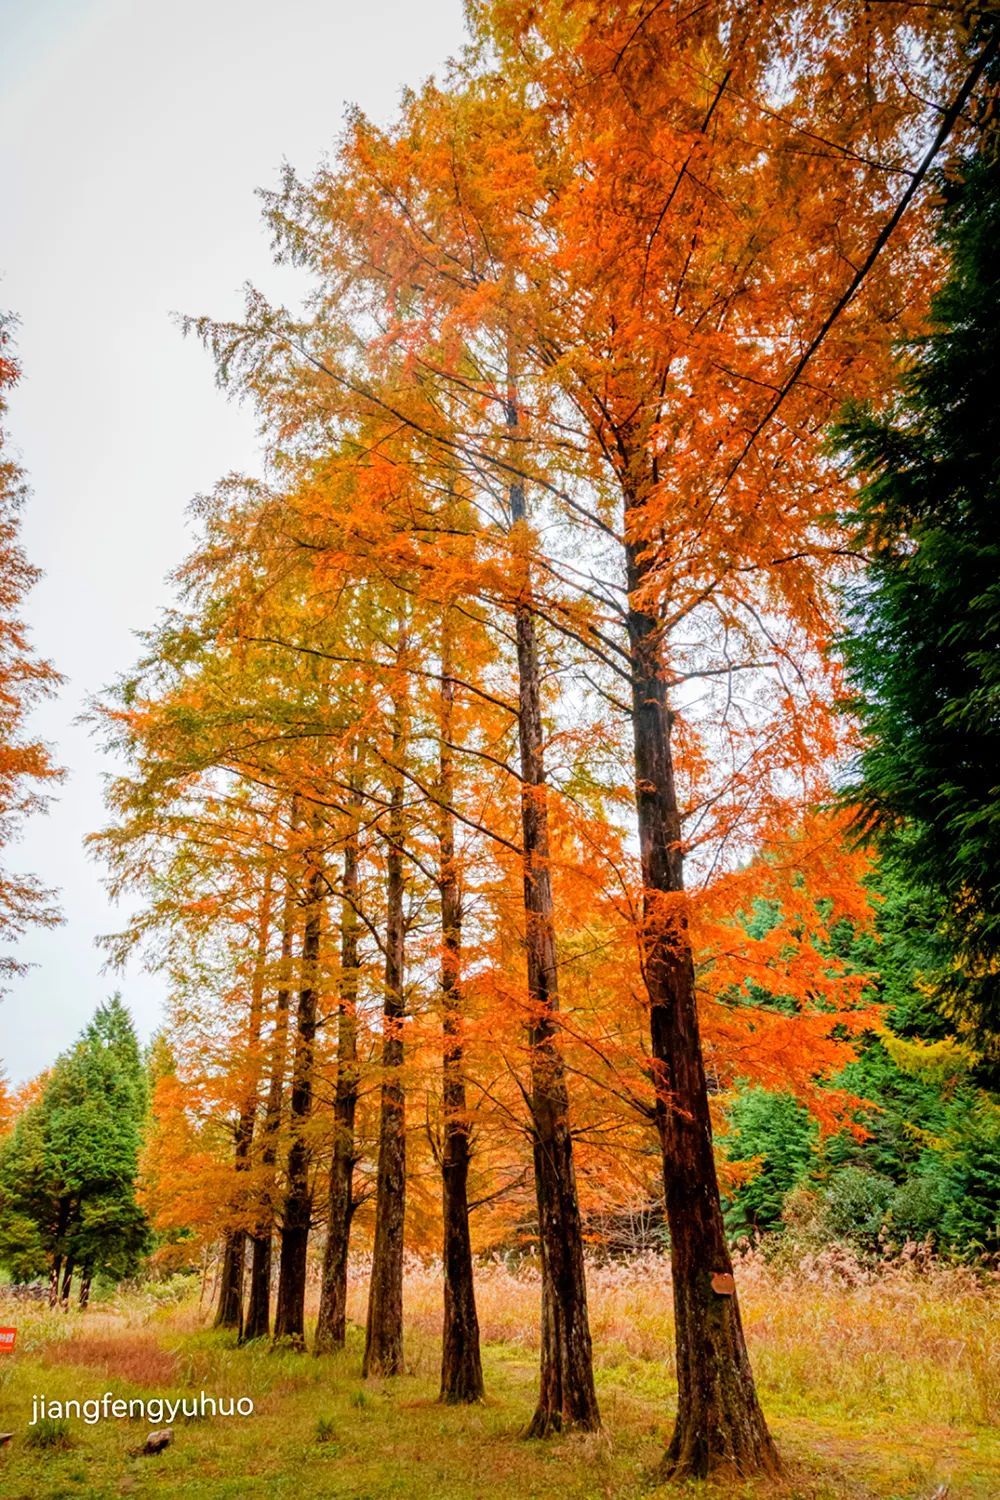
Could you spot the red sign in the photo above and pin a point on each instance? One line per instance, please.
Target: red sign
(7, 1338)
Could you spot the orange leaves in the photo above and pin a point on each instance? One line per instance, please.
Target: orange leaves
(182, 1181)
(26, 765)
(576, 283)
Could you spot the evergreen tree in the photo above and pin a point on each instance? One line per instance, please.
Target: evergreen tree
(923, 648)
(68, 1171)
(924, 1164)
(779, 1135)
(29, 1202)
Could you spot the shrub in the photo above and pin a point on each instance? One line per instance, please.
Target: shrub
(916, 1209)
(856, 1208)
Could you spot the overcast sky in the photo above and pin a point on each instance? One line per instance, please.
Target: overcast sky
(132, 137)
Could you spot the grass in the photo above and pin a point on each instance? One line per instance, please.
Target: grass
(49, 1432)
(325, 1430)
(877, 1388)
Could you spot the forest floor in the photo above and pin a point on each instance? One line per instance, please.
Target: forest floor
(882, 1387)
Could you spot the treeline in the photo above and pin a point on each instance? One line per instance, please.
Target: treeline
(485, 722)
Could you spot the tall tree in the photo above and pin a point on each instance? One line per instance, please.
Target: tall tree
(229, 1312)
(331, 1323)
(257, 1323)
(567, 1395)
(296, 1212)
(923, 649)
(68, 1171)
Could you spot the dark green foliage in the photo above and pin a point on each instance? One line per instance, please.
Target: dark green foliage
(856, 1208)
(926, 1164)
(923, 648)
(922, 652)
(902, 1109)
(68, 1170)
(971, 1179)
(904, 951)
(28, 1209)
(918, 1208)
(932, 1171)
(776, 1129)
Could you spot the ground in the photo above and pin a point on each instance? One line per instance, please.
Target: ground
(877, 1388)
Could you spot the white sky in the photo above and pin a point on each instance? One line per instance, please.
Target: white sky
(132, 137)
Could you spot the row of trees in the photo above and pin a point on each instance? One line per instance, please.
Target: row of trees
(483, 724)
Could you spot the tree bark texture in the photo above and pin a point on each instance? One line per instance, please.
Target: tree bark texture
(289, 1313)
(567, 1396)
(384, 1331)
(331, 1325)
(230, 1309)
(257, 1324)
(461, 1362)
(62, 1224)
(719, 1426)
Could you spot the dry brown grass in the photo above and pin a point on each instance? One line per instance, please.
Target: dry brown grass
(916, 1336)
(136, 1358)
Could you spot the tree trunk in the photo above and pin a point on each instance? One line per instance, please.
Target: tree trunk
(461, 1364)
(384, 1331)
(567, 1397)
(331, 1325)
(258, 1316)
(230, 1310)
(289, 1315)
(257, 1323)
(85, 1281)
(62, 1224)
(719, 1426)
(67, 1283)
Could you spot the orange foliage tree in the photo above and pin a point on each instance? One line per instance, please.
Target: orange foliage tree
(26, 766)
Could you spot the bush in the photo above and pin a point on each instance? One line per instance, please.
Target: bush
(916, 1209)
(856, 1208)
